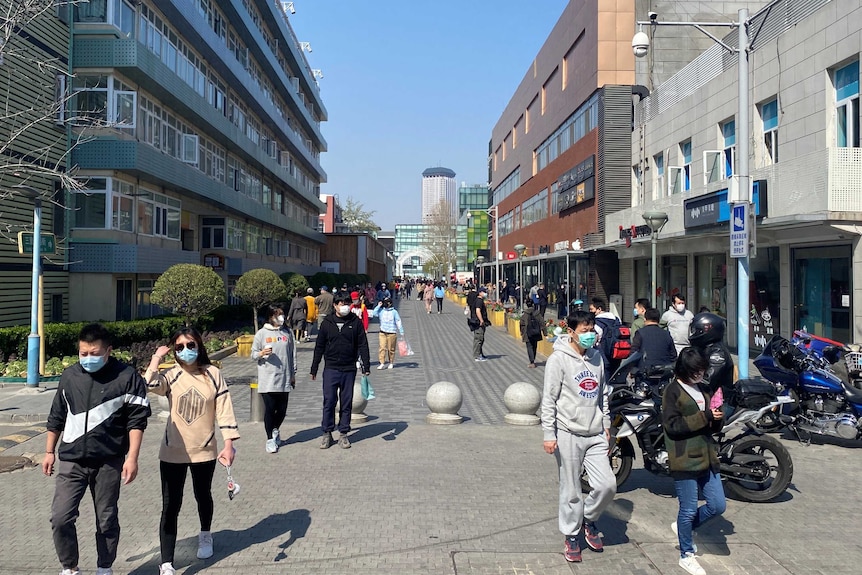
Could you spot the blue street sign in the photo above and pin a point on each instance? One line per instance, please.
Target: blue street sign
(739, 231)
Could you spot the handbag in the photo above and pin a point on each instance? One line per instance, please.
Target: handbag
(404, 348)
(365, 385)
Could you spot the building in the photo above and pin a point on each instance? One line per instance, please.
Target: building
(27, 158)
(472, 227)
(203, 146)
(332, 220)
(438, 185)
(355, 253)
(559, 159)
(805, 164)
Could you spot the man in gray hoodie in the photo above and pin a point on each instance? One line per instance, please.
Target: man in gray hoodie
(576, 427)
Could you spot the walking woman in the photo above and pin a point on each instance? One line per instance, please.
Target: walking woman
(439, 293)
(198, 397)
(428, 295)
(274, 349)
(532, 325)
(689, 423)
(297, 315)
(390, 327)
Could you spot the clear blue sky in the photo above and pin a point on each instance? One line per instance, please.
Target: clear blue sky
(411, 84)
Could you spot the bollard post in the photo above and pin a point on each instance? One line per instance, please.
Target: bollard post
(522, 400)
(444, 400)
(256, 403)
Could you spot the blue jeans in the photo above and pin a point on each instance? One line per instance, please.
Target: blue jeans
(690, 515)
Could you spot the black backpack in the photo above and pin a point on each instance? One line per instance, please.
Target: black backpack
(616, 341)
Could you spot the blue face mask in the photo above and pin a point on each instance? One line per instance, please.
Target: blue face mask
(635, 312)
(587, 340)
(93, 363)
(187, 355)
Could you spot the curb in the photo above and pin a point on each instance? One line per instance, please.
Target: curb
(23, 418)
(23, 435)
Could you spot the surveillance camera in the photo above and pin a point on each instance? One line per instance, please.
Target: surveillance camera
(640, 44)
(653, 16)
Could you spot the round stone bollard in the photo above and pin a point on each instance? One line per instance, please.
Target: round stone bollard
(444, 400)
(522, 399)
(359, 404)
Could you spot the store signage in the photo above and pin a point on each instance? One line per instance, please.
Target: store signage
(632, 232)
(214, 262)
(763, 322)
(712, 209)
(545, 249)
(577, 185)
(511, 256)
(740, 230)
(561, 246)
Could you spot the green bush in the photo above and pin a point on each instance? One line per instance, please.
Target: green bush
(259, 286)
(294, 283)
(189, 290)
(323, 279)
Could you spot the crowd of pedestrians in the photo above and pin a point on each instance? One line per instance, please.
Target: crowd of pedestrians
(574, 409)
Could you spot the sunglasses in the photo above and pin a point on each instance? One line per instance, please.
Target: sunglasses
(181, 346)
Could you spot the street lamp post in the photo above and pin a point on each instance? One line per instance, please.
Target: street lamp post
(520, 249)
(480, 260)
(640, 47)
(496, 247)
(656, 221)
(33, 340)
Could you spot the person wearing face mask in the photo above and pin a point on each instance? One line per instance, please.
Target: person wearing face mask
(341, 341)
(199, 399)
(274, 350)
(689, 424)
(390, 327)
(677, 320)
(95, 426)
(641, 305)
(576, 428)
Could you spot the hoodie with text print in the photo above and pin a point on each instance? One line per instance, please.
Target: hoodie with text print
(574, 384)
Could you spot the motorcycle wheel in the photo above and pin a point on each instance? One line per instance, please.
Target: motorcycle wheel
(621, 458)
(769, 478)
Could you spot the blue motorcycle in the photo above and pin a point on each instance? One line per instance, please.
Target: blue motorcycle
(826, 384)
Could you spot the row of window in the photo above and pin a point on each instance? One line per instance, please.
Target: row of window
(507, 186)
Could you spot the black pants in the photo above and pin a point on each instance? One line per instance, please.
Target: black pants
(274, 410)
(439, 304)
(337, 387)
(532, 344)
(173, 482)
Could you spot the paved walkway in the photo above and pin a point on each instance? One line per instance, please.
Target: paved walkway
(412, 498)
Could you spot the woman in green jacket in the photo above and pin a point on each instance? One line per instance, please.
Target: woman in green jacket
(689, 422)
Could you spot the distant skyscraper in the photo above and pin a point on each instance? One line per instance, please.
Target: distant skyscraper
(438, 184)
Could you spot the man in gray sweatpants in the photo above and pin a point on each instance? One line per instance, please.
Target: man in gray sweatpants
(576, 429)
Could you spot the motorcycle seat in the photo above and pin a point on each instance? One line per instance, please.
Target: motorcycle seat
(853, 394)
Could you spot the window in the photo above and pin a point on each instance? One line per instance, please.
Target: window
(191, 151)
(146, 308)
(252, 234)
(576, 126)
(235, 235)
(675, 179)
(103, 100)
(658, 183)
(122, 206)
(769, 116)
(685, 149)
(847, 105)
(507, 186)
(91, 205)
(728, 132)
(124, 300)
(212, 233)
(159, 215)
(120, 13)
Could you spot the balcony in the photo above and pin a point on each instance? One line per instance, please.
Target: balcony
(133, 157)
(822, 185)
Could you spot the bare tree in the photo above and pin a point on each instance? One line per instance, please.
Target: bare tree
(357, 218)
(440, 238)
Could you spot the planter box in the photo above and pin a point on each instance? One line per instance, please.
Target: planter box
(514, 327)
(4, 381)
(497, 318)
(223, 353)
(545, 347)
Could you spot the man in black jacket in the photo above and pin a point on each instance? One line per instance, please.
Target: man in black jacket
(341, 342)
(477, 322)
(654, 342)
(98, 416)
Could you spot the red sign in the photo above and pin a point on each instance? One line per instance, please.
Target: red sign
(511, 256)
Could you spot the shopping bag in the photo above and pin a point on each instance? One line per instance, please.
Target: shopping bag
(404, 348)
(365, 385)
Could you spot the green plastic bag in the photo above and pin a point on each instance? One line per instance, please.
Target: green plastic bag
(367, 390)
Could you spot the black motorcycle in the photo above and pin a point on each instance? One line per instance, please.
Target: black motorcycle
(753, 466)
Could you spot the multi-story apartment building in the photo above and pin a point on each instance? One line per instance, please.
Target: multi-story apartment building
(806, 167)
(31, 150)
(438, 185)
(203, 143)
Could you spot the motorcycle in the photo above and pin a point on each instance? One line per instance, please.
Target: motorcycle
(826, 385)
(753, 466)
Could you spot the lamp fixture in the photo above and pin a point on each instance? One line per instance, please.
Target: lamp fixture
(317, 73)
(305, 46)
(288, 7)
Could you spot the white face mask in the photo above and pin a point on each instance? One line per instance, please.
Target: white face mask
(680, 307)
(279, 320)
(343, 310)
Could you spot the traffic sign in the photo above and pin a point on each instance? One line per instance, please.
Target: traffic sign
(740, 230)
(47, 244)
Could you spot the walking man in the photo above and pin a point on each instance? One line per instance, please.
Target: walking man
(478, 321)
(576, 426)
(324, 305)
(98, 417)
(341, 342)
(677, 319)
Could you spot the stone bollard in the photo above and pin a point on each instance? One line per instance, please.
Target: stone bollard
(444, 400)
(522, 399)
(359, 404)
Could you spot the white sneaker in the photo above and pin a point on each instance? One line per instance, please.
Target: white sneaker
(205, 545)
(675, 532)
(70, 572)
(167, 569)
(381, 366)
(104, 571)
(276, 437)
(271, 446)
(390, 366)
(690, 564)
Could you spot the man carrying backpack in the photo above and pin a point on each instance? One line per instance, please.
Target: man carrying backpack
(614, 338)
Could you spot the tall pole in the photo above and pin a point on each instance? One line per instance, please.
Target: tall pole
(654, 296)
(497, 250)
(743, 195)
(33, 340)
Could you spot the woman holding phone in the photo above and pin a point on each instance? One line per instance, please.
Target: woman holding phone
(198, 397)
(274, 349)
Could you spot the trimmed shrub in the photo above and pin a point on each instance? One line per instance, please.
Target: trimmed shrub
(189, 290)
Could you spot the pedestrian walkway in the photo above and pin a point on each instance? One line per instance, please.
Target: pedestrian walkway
(412, 498)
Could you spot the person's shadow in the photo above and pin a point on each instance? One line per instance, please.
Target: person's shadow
(228, 541)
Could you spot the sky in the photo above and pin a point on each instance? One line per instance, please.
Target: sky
(411, 84)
